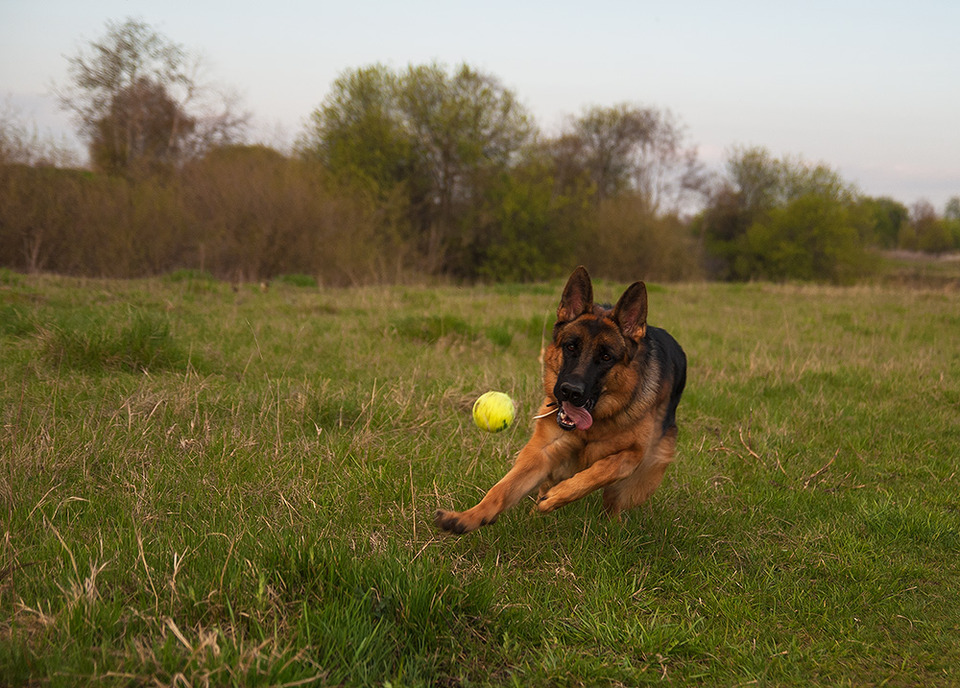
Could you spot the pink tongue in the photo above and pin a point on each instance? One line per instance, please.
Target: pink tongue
(580, 416)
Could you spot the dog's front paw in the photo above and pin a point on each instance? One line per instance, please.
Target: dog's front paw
(460, 522)
(450, 521)
(546, 504)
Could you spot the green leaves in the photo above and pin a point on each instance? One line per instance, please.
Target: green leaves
(810, 238)
(783, 219)
(438, 138)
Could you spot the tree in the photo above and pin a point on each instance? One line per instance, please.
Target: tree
(886, 218)
(775, 218)
(465, 127)
(927, 232)
(812, 237)
(143, 131)
(438, 136)
(951, 217)
(358, 134)
(630, 148)
(521, 229)
(138, 102)
(951, 211)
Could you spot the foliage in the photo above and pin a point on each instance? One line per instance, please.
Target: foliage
(357, 133)
(521, 229)
(266, 215)
(784, 219)
(951, 217)
(40, 208)
(811, 238)
(482, 198)
(886, 219)
(240, 213)
(627, 148)
(142, 131)
(630, 242)
(927, 232)
(438, 137)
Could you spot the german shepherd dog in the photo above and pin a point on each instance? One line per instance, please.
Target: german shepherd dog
(608, 420)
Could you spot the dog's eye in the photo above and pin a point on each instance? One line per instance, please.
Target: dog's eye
(570, 347)
(605, 357)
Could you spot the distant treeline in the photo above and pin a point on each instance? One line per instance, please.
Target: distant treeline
(424, 171)
(251, 213)
(244, 213)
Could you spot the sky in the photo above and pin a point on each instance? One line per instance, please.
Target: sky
(869, 88)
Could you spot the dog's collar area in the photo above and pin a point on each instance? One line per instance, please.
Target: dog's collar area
(552, 405)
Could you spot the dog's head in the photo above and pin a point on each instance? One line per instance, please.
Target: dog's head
(591, 344)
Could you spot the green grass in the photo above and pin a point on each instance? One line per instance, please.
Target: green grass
(297, 280)
(219, 487)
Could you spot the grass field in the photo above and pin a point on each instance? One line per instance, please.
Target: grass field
(207, 487)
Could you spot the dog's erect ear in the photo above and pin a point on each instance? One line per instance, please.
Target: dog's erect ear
(577, 296)
(631, 311)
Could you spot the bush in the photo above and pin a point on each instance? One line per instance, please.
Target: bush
(783, 219)
(628, 242)
(811, 238)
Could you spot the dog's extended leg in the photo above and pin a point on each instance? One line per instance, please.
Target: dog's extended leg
(532, 467)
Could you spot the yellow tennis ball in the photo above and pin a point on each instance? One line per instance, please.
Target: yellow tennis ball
(493, 411)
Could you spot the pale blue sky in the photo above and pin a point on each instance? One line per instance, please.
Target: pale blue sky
(870, 88)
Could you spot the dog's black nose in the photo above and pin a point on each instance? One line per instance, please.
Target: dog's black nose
(572, 392)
